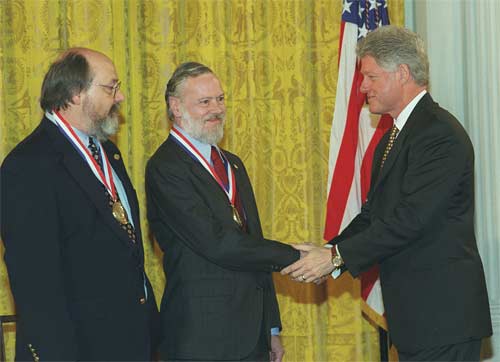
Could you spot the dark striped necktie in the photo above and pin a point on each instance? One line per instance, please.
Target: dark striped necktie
(97, 156)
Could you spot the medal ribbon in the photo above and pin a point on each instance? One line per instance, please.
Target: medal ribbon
(196, 155)
(105, 178)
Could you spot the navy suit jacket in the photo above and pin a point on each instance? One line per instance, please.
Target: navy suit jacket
(76, 278)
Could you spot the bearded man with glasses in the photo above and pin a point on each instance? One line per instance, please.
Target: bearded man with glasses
(70, 225)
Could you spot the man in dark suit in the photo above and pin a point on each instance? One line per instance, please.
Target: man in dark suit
(219, 301)
(418, 220)
(70, 224)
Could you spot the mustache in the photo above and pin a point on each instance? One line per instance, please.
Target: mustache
(115, 109)
(219, 116)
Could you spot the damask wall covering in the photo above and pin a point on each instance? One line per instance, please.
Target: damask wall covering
(277, 61)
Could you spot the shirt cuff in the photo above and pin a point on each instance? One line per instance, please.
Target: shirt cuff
(275, 331)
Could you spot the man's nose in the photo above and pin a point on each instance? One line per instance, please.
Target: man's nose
(119, 96)
(364, 86)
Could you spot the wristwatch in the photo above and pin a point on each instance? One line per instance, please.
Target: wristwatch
(337, 260)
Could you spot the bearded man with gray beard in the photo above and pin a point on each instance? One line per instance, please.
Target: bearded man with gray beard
(70, 225)
(219, 302)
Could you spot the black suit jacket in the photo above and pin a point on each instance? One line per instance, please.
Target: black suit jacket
(219, 293)
(418, 224)
(76, 278)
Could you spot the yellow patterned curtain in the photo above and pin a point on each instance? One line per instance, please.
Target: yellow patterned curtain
(277, 61)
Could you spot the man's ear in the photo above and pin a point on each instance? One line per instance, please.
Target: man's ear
(404, 73)
(76, 99)
(175, 106)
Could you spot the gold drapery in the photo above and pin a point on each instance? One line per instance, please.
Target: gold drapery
(277, 61)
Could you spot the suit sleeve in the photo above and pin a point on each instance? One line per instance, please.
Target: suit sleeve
(358, 224)
(438, 159)
(175, 205)
(33, 255)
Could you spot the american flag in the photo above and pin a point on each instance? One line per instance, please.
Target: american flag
(354, 136)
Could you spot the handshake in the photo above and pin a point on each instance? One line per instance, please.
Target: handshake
(314, 266)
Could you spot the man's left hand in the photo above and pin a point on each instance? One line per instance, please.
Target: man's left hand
(277, 351)
(316, 264)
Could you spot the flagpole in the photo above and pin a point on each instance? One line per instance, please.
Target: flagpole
(383, 345)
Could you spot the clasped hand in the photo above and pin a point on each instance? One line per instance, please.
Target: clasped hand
(314, 265)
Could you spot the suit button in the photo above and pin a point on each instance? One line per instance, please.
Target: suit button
(142, 300)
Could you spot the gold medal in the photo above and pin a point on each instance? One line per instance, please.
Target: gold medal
(236, 217)
(119, 212)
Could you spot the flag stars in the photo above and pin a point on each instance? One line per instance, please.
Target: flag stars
(347, 7)
(362, 31)
(360, 10)
(373, 5)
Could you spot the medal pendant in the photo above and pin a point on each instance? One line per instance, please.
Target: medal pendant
(236, 217)
(119, 212)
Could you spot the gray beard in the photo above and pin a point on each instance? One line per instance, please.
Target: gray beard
(104, 129)
(194, 129)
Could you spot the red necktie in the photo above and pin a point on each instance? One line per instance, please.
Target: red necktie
(219, 166)
(220, 169)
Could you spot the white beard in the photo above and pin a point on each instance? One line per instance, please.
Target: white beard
(194, 127)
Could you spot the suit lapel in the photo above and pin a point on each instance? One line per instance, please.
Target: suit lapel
(377, 159)
(201, 173)
(219, 196)
(116, 161)
(415, 115)
(392, 156)
(247, 199)
(83, 176)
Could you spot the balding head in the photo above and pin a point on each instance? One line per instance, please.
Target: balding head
(71, 74)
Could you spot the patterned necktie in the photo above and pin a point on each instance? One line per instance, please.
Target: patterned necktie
(220, 169)
(390, 143)
(97, 156)
(95, 152)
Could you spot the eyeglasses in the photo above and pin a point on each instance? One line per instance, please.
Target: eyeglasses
(113, 88)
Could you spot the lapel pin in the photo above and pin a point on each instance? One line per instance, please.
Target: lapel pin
(116, 156)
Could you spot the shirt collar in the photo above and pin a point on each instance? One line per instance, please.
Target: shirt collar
(401, 119)
(204, 148)
(84, 138)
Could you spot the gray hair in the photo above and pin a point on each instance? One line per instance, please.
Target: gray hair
(392, 46)
(183, 72)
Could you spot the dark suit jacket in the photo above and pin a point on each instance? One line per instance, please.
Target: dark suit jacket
(418, 224)
(219, 292)
(76, 278)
